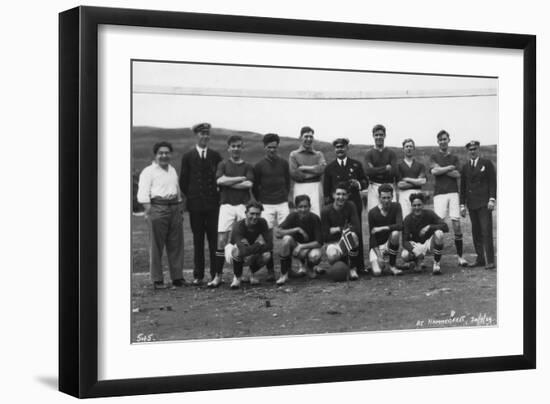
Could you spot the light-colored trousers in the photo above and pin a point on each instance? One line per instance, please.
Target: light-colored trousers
(165, 230)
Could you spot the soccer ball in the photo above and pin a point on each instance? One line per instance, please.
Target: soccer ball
(338, 272)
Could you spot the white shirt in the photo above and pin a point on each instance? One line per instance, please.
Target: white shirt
(155, 181)
(200, 150)
(342, 162)
(474, 162)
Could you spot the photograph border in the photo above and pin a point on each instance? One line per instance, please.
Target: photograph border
(78, 192)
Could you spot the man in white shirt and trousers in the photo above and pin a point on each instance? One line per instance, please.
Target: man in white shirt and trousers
(160, 195)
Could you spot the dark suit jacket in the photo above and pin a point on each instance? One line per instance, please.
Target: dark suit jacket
(334, 173)
(479, 184)
(198, 180)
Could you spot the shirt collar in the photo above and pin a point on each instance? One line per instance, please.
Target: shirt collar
(157, 166)
(342, 161)
(200, 150)
(476, 160)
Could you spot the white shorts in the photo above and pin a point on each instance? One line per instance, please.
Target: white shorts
(447, 205)
(381, 251)
(422, 248)
(230, 214)
(404, 200)
(275, 214)
(372, 195)
(315, 192)
(334, 247)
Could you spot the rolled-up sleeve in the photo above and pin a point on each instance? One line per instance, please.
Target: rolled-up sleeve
(144, 186)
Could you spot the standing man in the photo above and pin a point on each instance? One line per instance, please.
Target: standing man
(337, 217)
(345, 169)
(423, 233)
(306, 169)
(235, 179)
(301, 234)
(386, 224)
(271, 188)
(478, 192)
(251, 242)
(380, 165)
(198, 184)
(444, 167)
(160, 195)
(411, 175)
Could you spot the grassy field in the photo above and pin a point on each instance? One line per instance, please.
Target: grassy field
(460, 297)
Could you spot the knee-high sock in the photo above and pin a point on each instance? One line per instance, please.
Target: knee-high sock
(285, 264)
(458, 244)
(438, 249)
(218, 264)
(353, 258)
(392, 251)
(237, 268)
(270, 265)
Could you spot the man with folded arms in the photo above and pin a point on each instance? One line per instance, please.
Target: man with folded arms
(411, 175)
(271, 188)
(386, 224)
(380, 163)
(423, 233)
(301, 234)
(339, 216)
(251, 243)
(478, 192)
(235, 179)
(306, 169)
(160, 195)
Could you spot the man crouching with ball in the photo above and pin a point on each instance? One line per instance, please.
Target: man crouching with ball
(301, 234)
(339, 227)
(423, 233)
(251, 243)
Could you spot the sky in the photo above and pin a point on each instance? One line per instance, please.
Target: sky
(236, 97)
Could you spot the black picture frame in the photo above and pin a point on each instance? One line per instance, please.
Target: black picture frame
(78, 196)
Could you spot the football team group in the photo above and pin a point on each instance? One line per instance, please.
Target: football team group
(239, 208)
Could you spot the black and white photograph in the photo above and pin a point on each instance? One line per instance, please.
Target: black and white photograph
(275, 201)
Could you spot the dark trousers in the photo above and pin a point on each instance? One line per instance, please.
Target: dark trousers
(482, 234)
(165, 230)
(204, 223)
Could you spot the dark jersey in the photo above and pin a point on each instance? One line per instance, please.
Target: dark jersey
(413, 224)
(231, 195)
(393, 219)
(416, 170)
(344, 217)
(310, 223)
(271, 181)
(443, 183)
(379, 159)
(241, 233)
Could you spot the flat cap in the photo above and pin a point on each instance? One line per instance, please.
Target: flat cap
(340, 141)
(472, 143)
(201, 127)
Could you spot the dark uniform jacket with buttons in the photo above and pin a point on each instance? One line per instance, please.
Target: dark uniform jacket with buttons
(478, 184)
(198, 180)
(335, 173)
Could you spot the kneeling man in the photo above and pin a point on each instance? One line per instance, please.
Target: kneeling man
(301, 234)
(251, 243)
(339, 227)
(423, 233)
(385, 223)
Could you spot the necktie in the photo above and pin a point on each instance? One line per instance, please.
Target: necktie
(341, 163)
(473, 163)
(202, 154)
